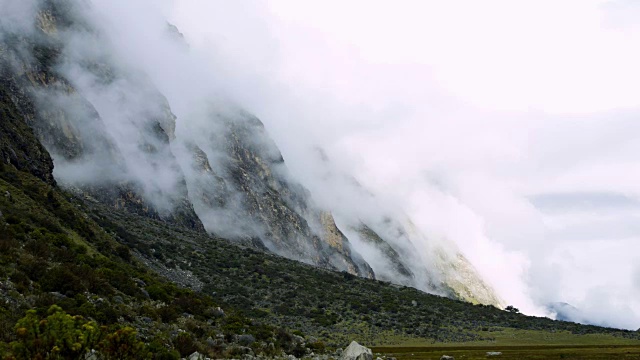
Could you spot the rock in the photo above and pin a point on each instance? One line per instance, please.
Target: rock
(118, 299)
(356, 351)
(414, 303)
(145, 293)
(91, 355)
(447, 357)
(494, 353)
(57, 295)
(196, 356)
(210, 341)
(312, 340)
(217, 312)
(298, 339)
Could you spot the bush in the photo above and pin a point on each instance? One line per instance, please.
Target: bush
(123, 344)
(61, 279)
(59, 335)
(185, 344)
(157, 292)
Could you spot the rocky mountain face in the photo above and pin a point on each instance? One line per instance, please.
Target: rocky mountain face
(18, 145)
(252, 191)
(398, 251)
(66, 99)
(88, 157)
(441, 270)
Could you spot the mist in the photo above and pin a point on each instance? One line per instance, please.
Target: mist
(485, 132)
(463, 119)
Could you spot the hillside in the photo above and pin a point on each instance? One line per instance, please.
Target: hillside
(121, 234)
(104, 265)
(211, 166)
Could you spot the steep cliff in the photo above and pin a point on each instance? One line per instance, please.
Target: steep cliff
(90, 157)
(18, 144)
(251, 194)
(434, 267)
(395, 248)
(115, 140)
(112, 136)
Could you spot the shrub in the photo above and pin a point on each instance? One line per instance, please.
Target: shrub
(185, 344)
(123, 344)
(157, 292)
(58, 336)
(63, 280)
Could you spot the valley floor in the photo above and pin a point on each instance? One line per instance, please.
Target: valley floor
(582, 352)
(518, 344)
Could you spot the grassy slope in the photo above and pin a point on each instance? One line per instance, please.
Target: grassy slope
(45, 230)
(58, 249)
(334, 306)
(51, 252)
(594, 352)
(522, 345)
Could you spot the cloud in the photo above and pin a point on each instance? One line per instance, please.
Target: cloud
(492, 124)
(18, 16)
(515, 140)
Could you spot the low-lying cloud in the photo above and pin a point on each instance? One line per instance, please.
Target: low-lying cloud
(518, 141)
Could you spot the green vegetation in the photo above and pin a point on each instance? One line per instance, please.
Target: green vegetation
(76, 275)
(81, 289)
(336, 307)
(586, 352)
(101, 267)
(62, 336)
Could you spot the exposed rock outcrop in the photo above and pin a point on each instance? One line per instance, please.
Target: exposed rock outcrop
(89, 156)
(249, 188)
(114, 139)
(18, 144)
(356, 351)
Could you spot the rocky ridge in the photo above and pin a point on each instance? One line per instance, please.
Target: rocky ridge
(112, 137)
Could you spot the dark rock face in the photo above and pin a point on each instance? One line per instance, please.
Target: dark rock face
(112, 135)
(88, 158)
(251, 184)
(18, 144)
(398, 251)
(442, 269)
(370, 236)
(113, 139)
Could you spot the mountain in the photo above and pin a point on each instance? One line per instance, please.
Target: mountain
(167, 238)
(115, 139)
(396, 249)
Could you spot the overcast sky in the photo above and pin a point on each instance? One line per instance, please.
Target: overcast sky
(509, 127)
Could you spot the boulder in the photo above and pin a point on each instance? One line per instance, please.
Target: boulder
(356, 351)
(196, 356)
(494, 353)
(447, 357)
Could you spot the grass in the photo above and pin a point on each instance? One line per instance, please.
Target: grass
(515, 337)
(591, 352)
(519, 344)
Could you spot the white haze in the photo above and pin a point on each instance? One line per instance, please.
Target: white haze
(508, 128)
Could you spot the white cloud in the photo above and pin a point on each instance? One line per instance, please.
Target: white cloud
(460, 112)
